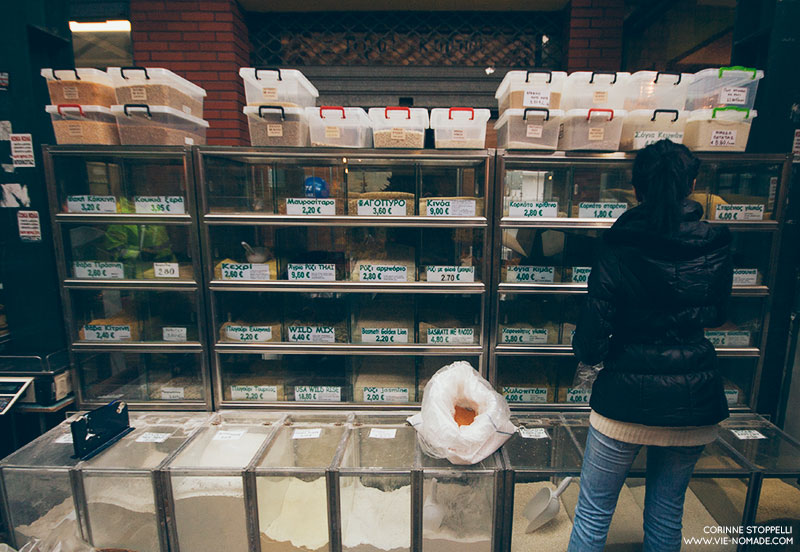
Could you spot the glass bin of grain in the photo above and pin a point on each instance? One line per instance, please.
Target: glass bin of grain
(459, 127)
(84, 86)
(339, 127)
(275, 125)
(83, 124)
(158, 125)
(399, 127)
(156, 86)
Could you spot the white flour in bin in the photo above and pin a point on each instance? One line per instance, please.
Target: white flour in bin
(293, 514)
(210, 514)
(374, 520)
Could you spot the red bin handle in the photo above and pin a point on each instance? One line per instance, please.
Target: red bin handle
(467, 109)
(331, 108)
(609, 111)
(61, 106)
(398, 108)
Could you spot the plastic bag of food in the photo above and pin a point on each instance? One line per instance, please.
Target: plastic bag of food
(585, 376)
(57, 544)
(462, 418)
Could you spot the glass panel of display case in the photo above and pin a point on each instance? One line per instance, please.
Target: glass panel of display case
(542, 443)
(546, 255)
(556, 533)
(743, 325)
(383, 319)
(128, 251)
(536, 193)
(531, 379)
(125, 316)
(450, 319)
(309, 187)
(741, 190)
(751, 258)
(452, 190)
(382, 190)
(237, 185)
(779, 506)
(529, 319)
(762, 444)
(382, 255)
(601, 191)
(243, 253)
(91, 183)
(313, 253)
(141, 376)
(451, 255)
(429, 365)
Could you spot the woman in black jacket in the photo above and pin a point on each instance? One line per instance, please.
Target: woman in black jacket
(661, 276)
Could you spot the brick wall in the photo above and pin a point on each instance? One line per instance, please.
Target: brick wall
(205, 42)
(595, 35)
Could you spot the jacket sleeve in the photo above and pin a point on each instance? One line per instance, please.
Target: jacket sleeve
(593, 332)
(724, 287)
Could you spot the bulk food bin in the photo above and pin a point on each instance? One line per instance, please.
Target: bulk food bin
(529, 128)
(594, 89)
(274, 86)
(657, 90)
(274, 125)
(533, 88)
(399, 127)
(643, 127)
(340, 127)
(459, 127)
(154, 86)
(156, 125)
(593, 129)
(724, 86)
(84, 86)
(719, 129)
(83, 124)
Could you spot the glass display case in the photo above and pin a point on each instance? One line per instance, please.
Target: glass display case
(128, 250)
(337, 276)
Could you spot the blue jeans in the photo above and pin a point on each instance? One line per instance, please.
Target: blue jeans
(605, 466)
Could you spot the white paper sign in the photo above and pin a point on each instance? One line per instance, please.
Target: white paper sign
(533, 433)
(580, 274)
(166, 270)
(312, 433)
(643, 138)
(384, 335)
(382, 207)
(745, 434)
(173, 334)
(159, 205)
(524, 335)
(733, 95)
(728, 338)
(98, 270)
(451, 208)
(65, 439)
(737, 213)
(578, 396)
(530, 274)
(312, 272)
(796, 142)
(451, 336)
(106, 332)
(732, 396)
(91, 204)
(22, 150)
(450, 273)
(148, 437)
(312, 334)
(534, 131)
(249, 333)
(745, 276)
(532, 209)
(536, 97)
(310, 207)
(312, 393)
(245, 271)
(722, 138)
(596, 134)
(28, 226)
(254, 392)
(525, 394)
(601, 210)
(229, 435)
(382, 273)
(172, 393)
(386, 394)
(382, 433)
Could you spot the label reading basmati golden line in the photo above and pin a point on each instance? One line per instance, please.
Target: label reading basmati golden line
(139, 93)
(75, 129)
(333, 132)
(275, 130)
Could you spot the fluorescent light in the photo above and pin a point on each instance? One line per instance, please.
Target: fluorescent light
(100, 26)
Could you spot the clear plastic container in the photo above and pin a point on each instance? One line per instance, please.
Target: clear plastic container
(157, 125)
(592, 129)
(657, 90)
(275, 86)
(155, 86)
(533, 88)
(595, 89)
(529, 128)
(399, 127)
(275, 125)
(459, 127)
(339, 127)
(725, 86)
(718, 129)
(84, 86)
(83, 124)
(643, 127)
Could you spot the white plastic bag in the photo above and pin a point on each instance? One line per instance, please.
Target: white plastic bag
(440, 436)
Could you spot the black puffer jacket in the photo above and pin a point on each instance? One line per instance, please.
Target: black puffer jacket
(650, 297)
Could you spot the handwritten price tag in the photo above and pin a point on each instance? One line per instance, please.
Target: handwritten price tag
(166, 270)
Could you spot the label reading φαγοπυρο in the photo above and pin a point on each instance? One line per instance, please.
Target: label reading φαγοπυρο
(381, 207)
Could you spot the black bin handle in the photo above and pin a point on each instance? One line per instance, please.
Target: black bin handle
(591, 80)
(676, 83)
(146, 107)
(673, 111)
(261, 109)
(276, 69)
(543, 109)
(542, 71)
(133, 68)
(69, 69)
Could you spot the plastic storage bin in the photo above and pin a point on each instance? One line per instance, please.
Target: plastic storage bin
(591, 129)
(534, 88)
(87, 124)
(459, 127)
(339, 127)
(273, 86)
(643, 127)
(657, 90)
(155, 86)
(158, 126)
(726, 86)
(529, 128)
(594, 89)
(83, 86)
(274, 125)
(398, 127)
(718, 129)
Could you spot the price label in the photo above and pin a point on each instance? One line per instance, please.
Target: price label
(533, 433)
(312, 334)
(248, 334)
(274, 130)
(773, 192)
(536, 97)
(70, 92)
(601, 210)
(580, 274)
(600, 96)
(382, 273)
(745, 277)
(732, 396)
(312, 272)
(382, 207)
(149, 437)
(317, 393)
(245, 271)
(386, 394)
(254, 392)
(746, 434)
(310, 207)
(106, 332)
(96, 270)
(722, 138)
(269, 93)
(382, 433)
(451, 336)
(229, 435)
(172, 393)
(729, 338)
(458, 134)
(525, 394)
(733, 95)
(450, 273)
(735, 213)
(530, 274)
(643, 138)
(532, 209)
(91, 204)
(166, 270)
(139, 93)
(524, 335)
(175, 335)
(159, 205)
(578, 396)
(534, 131)
(65, 439)
(307, 433)
(333, 132)
(398, 134)
(597, 134)
(451, 208)
(384, 335)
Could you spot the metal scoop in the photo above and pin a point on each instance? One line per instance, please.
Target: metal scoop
(544, 506)
(255, 254)
(432, 511)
